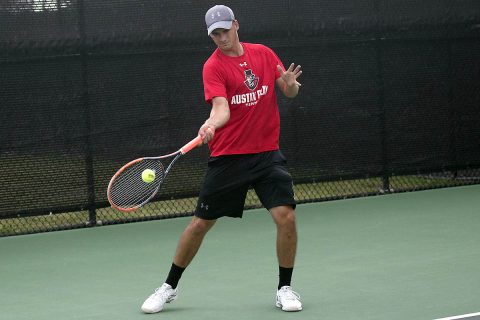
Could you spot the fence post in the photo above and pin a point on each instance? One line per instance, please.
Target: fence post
(378, 41)
(92, 216)
(452, 114)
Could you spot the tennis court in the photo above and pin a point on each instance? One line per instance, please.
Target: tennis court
(399, 256)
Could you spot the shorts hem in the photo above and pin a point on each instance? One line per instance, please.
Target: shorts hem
(293, 205)
(199, 215)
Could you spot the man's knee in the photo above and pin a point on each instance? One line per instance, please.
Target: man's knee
(283, 215)
(200, 226)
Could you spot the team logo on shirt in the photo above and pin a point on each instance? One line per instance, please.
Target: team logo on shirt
(249, 99)
(251, 80)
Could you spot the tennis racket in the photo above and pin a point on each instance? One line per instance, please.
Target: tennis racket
(137, 182)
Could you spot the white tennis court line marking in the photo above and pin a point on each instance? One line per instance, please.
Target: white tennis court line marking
(461, 316)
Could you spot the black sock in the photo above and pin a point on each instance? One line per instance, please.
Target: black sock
(285, 276)
(174, 275)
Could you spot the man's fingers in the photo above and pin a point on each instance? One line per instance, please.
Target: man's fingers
(291, 74)
(291, 69)
(206, 133)
(209, 133)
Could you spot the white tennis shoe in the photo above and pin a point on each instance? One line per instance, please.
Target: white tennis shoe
(157, 300)
(288, 300)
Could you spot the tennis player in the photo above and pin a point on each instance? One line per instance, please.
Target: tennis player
(243, 136)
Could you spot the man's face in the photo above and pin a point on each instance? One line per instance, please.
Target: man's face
(225, 39)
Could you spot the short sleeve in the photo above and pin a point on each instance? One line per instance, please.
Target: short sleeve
(275, 60)
(213, 83)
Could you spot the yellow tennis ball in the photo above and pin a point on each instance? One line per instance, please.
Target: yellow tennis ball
(148, 175)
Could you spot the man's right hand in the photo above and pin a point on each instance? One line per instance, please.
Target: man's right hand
(206, 132)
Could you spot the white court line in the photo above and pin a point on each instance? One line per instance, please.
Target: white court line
(461, 316)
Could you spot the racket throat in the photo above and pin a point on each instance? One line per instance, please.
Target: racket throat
(167, 170)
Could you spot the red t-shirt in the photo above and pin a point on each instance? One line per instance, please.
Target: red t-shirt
(248, 84)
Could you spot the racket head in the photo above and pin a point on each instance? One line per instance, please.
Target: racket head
(127, 191)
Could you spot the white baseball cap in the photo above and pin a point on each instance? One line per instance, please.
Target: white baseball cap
(219, 16)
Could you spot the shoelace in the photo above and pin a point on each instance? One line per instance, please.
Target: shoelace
(289, 294)
(160, 293)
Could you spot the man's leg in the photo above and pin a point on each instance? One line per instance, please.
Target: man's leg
(187, 248)
(190, 241)
(284, 218)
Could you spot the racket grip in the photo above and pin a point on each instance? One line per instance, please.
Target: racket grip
(192, 144)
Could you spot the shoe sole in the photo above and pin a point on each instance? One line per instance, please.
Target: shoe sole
(279, 305)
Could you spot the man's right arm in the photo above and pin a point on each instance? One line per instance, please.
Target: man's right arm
(219, 116)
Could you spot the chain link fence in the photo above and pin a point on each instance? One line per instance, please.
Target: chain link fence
(389, 100)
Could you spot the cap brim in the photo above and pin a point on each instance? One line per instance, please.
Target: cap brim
(220, 25)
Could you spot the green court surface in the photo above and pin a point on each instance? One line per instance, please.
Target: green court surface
(402, 256)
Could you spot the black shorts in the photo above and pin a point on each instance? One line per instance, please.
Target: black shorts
(228, 179)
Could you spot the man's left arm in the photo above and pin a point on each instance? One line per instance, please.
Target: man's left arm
(287, 82)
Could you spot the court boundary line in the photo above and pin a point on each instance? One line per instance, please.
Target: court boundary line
(462, 316)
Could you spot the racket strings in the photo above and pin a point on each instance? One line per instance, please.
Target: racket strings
(128, 190)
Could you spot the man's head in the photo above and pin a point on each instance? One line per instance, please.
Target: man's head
(222, 28)
(219, 17)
